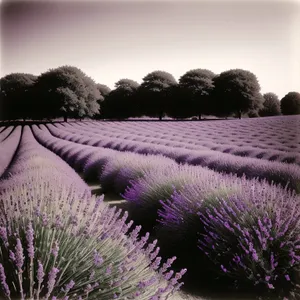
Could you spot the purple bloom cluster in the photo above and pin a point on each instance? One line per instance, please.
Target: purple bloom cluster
(146, 195)
(126, 168)
(249, 230)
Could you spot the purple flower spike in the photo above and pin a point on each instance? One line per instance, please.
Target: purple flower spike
(51, 280)
(40, 272)
(19, 257)
(287, 277)
(98, 260)
(3, 281)
(30, 237)
(69, 286)
(3, 234)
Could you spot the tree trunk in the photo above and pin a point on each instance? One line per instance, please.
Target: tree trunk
(200, 117)
(65, 118)
(240, 114)
(160, 117)
(24, 119)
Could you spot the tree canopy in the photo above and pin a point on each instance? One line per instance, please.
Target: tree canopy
(271, 105)
(103, 89)
(236, 91)
(15, 102)
(154, 93)
(67, 91)
(122, 102)
(290, 104)
(197, 85)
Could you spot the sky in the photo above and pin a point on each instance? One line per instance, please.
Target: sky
(110, 40)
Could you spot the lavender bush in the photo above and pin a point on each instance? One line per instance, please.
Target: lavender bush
(258, 237)
(94, 166)
(249, 230)
(145, 194)
(64, 246)
(123, 169)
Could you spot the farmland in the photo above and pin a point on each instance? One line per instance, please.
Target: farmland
(214, 205)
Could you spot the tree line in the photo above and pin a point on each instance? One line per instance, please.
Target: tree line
(69, 93)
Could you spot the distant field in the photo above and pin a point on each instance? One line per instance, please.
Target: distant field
(222, 196)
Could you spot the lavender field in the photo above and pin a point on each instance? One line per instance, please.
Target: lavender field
(141, 209)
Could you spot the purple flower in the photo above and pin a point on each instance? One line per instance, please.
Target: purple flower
(40, 273)
(3, 281)
(98, 260)
(3, 234)
(69, 286)
(51, 280)
(270, 286)
(12, 256)
(287, 277)
(29, 237)
(19, 257)
(223, 269)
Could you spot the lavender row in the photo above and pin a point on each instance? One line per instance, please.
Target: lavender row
(30, 157)
(45, 224)
(76, 248)
(190, 143)
(271, 132)
(179, 194)
(238, 140)
(279, 173)
(8, 147)
(248, 229)
(249, 232)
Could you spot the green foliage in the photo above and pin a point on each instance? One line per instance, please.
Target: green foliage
(271, 105)
(198, 85)
(103, 89)
(122, 102)
(290, 104)
(236, 91)
(15, 96)
(67, 91)
(154, 93)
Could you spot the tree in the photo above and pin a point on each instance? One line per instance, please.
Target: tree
(154, 93)
(15, 99)
(290, 104)
(198, 85)
(121, 103)
(236, 91)
(178, 105)
(103, 89)
(66, 91)
(271, 105)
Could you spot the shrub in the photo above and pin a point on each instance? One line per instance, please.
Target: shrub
(144, 194)
(125, 168)
(226, 218)
(56, 244)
